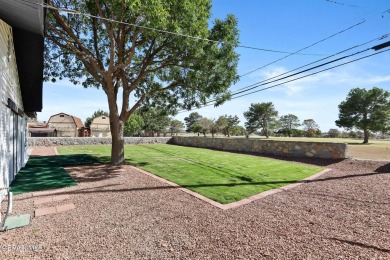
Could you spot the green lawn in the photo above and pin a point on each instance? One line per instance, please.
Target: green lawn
(220, 176)
(47, 172)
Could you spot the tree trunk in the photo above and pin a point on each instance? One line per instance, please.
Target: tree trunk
(118, 141)
(265, 130)
(366, 135)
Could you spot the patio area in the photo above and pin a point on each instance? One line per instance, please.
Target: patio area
(122, 213)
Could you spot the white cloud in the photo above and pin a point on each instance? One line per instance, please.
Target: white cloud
(378, 79)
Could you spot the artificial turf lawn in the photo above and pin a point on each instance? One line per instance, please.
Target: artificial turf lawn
(47, 172)
(221, 176)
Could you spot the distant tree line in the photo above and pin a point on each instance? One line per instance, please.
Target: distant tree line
(262, 119)
(147, 122)
(362, 114)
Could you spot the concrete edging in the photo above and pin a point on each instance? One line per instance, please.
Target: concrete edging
(237, 203)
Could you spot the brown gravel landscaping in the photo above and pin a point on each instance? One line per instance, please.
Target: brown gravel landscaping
(121, 213)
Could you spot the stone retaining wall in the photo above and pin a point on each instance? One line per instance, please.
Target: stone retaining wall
(66, 141)
(285, 148)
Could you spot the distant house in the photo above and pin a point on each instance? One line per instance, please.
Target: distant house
(66, 125)
(41, 130)
(21, 74)
(100, 127)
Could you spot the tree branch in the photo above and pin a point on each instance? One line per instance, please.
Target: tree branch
(139, 102)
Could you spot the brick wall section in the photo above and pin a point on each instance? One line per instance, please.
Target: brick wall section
(66, 141)
(285, 148)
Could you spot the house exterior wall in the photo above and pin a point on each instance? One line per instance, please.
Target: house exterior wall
(64, 124)
(100, 127)
(13, 125)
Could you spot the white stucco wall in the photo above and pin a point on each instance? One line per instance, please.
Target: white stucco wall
(12, 126)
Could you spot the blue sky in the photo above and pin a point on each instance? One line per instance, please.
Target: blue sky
(282, 25)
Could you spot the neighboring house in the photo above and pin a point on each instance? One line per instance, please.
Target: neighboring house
(21, 74)
(100, 127)
(66, 125)
(41, 130)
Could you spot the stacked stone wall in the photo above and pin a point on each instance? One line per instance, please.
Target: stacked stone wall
(66, 141)
(273, 147)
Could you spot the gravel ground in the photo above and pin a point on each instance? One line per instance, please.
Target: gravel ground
(123, 214)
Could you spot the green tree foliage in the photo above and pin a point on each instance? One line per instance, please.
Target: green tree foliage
(205, 124)
(334, 133)
(238, 130)
(221, 123)
(176, 126)
(191, 120)
(311, 128)
(156, 68)
(197, 129)
(155, 121)
(261, 115)
(367, 110)
(288, 123)
(95, 114)
(134, 124)
(214, 129)
(232, 121)
(352, 134)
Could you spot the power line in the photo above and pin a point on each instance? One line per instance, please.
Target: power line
(306, 70)
(311, 45)
(387, 44)
(348, 49)
(342, 64)
(339, 3)
(75, 12)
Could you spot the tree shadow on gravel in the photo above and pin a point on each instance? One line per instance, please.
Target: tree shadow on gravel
(383, 169)
(344, 199)
(354, 243)
(94, 176)
(219, 184)
(349, 176)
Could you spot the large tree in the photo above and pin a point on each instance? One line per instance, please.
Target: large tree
(114, 44)
(367, 110)
(219, 125)
(206, 125)
(156, 121)
(191, 120)
(261, 115)
(232, 121)
(311, 127)
(176, 126)
(134, 124)
(288, 123)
